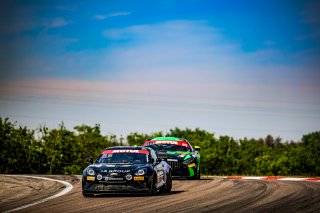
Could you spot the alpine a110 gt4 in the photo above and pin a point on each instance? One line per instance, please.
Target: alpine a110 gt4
(126, 169)
(179, 153)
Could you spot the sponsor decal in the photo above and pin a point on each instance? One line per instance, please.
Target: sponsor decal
(178, 143)
(134, 151)
(128, 176)
(90, 178)
(114, 174)
(166, 142)
(125, 151)
(112, 178)
(185, 144)
(138, 178)
(192, 165)
(119, 171)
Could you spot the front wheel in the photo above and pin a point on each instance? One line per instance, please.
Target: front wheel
(199, 175)
(153, 188)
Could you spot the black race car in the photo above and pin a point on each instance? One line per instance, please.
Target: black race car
(179, 153)
(126, 169)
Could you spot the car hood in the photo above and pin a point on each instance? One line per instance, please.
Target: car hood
(172, 154)
(117, 168)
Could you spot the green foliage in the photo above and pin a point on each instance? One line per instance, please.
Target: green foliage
(56, 151)
(61, 151)
(136, 139)
(17, 149)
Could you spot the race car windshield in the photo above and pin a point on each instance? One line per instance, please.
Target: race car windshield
(123, 158)
(169, 147)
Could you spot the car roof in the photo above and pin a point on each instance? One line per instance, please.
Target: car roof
(128, 147)
(167, 138)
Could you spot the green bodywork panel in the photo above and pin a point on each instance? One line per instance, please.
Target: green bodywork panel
(191, 172)
(187, 157)
(177, 153)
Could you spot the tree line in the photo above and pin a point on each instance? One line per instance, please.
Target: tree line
(62, 151)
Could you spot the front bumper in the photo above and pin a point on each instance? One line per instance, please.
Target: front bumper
(179, 169)
(115, 187)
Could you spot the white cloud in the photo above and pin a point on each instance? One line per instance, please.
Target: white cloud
(59, 22)
(196, 54)
(180, 47)
(106, 16)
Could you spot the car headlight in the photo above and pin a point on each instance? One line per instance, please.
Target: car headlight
(181, 156)
(91, 172)
(140, 172)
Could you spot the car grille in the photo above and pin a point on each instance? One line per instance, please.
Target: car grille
(175, 165)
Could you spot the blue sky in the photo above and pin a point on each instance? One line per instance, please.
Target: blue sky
(237, 68)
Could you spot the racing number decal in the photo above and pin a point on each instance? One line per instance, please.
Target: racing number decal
(160, 175)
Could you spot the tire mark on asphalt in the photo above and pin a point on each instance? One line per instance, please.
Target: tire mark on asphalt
(300, 197)
(205, 195)
(234, 199)
(68, 188)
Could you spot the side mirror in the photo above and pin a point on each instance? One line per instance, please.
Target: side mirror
(89, 160)
(197, 148)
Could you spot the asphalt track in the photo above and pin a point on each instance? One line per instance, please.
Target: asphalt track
(205, 195)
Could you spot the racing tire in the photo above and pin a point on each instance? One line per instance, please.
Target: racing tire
(168, 185)
(198, 176)
(153, 188)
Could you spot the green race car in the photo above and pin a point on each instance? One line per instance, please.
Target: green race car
(179, 154)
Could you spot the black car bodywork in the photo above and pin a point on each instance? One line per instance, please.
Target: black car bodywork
(179, 154)
(126, 170)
